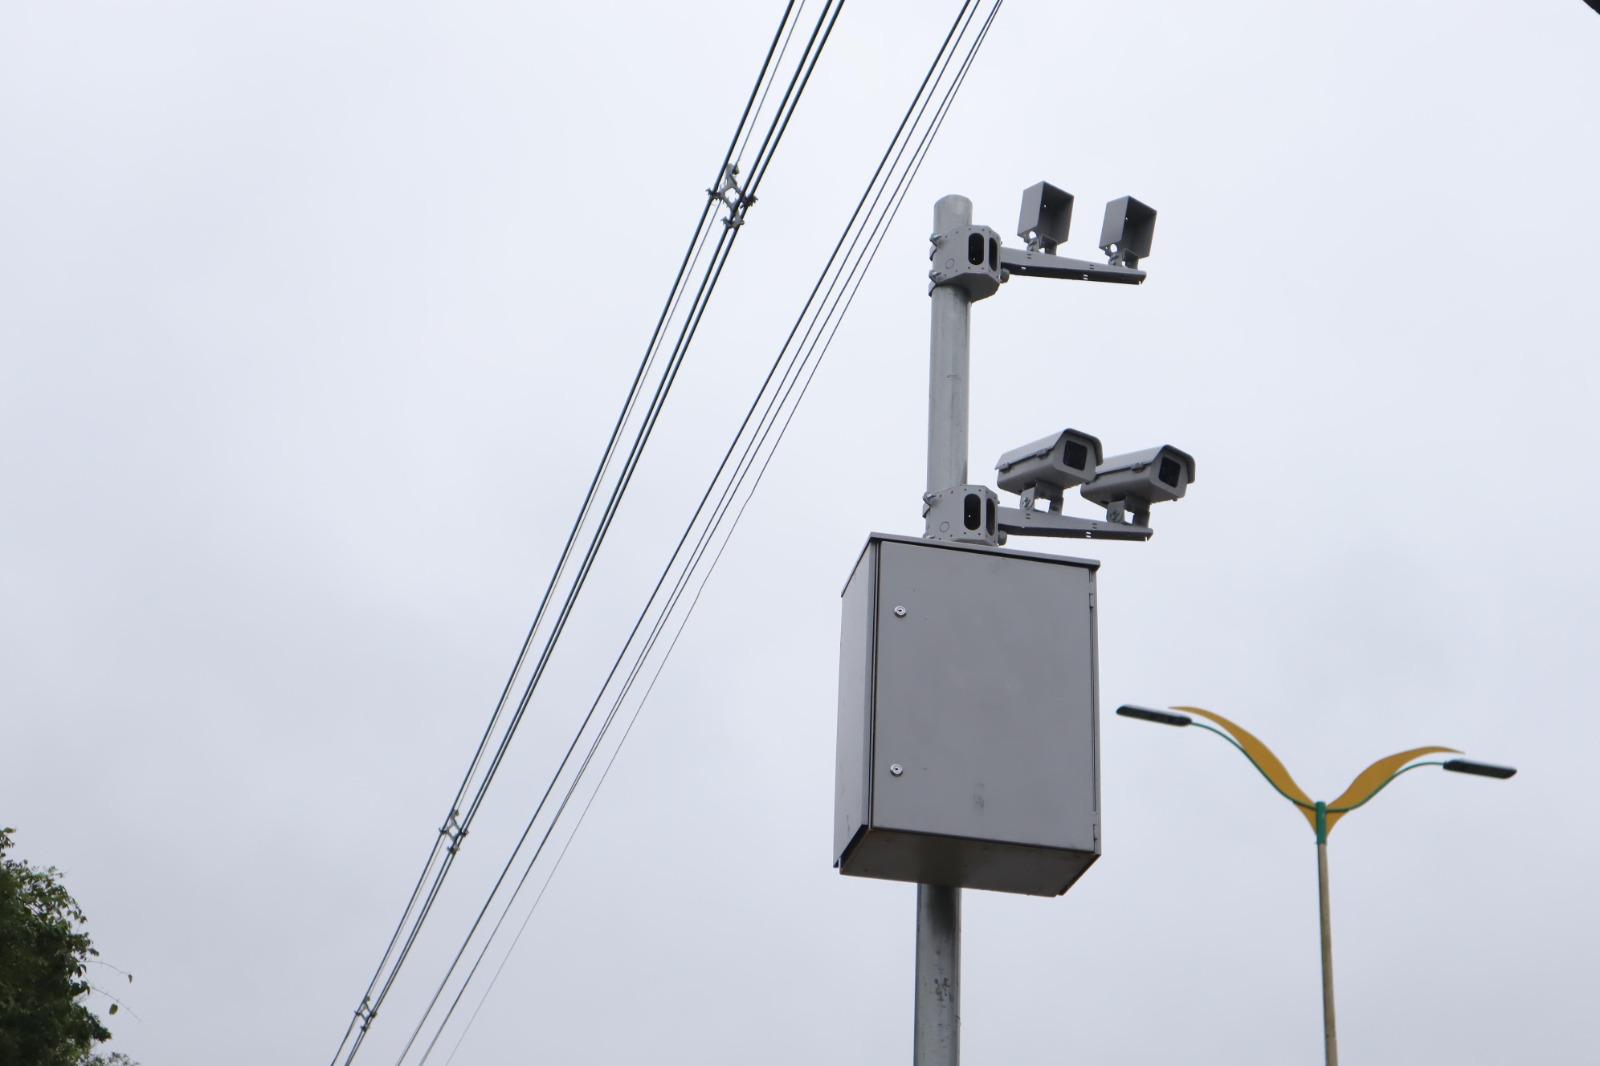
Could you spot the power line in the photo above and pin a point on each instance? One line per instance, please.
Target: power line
(441, 855)
(686, 336)
(851, 283)
(785, 111)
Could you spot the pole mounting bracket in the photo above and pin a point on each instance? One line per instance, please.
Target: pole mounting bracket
(969, 258)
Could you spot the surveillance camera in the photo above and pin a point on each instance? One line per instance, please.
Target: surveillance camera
(1132, 482)
(1048, 467)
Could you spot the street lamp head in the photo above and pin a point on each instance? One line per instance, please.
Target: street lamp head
(1147, 714)
(1480, 769)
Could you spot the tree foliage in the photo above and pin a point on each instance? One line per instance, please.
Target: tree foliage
(44, 956)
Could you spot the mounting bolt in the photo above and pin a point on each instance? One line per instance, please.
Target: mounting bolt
(895, 769)
(899, 612)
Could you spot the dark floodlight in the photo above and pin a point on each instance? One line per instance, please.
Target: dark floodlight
(1146, 714)
(1128, 229)
(1046, 217)
(1480, 769)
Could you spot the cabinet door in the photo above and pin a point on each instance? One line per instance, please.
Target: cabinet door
(985, 698)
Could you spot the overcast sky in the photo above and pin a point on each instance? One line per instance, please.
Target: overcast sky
(313, 320)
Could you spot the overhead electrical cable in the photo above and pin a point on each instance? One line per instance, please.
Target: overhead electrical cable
(446, 843)
(847, 282)
(786, 107)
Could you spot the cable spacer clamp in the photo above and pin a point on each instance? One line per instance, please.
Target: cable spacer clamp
(453, 829)
(366, 1013)
(732, 195)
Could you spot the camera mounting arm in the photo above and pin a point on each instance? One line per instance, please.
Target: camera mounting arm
(973, 259)
(1020, 262)
(1019, 522)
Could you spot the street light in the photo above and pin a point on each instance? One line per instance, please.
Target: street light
(1321, 815)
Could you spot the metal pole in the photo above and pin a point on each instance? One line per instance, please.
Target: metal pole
(949, 345)
(937, 1023)
(1330, 1042)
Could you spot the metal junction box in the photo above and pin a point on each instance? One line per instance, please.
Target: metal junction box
(968, 748)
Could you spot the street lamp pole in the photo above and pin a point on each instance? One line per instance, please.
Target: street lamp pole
(1330, 1040)
(1322, 815)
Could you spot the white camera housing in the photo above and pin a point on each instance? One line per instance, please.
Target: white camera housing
(1132, 482)
(1046, 468)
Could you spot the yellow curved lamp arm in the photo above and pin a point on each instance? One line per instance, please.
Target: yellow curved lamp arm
(1270, 765)
(1369, 781)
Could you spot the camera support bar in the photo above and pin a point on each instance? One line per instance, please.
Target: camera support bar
(1022, 522)
(1027, 264)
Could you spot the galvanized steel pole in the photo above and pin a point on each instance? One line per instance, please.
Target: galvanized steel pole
(937, 1040)
(937, 1023)
(948, 351)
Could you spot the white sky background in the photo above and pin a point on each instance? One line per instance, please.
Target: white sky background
(313, 319)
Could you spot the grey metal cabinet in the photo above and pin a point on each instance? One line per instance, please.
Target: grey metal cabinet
(968, 741)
